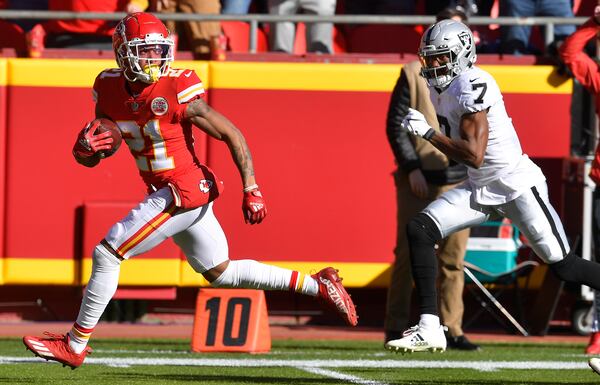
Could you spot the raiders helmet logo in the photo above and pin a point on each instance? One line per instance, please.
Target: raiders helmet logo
(205, 185)
(159, 106)
(465, 39)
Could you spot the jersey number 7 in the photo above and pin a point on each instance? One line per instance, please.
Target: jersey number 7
(483, 87)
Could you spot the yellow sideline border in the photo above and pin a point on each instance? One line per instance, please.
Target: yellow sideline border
(3, 72)
(368, 77)
(141, 272)
(175, 272)
(170, 272)
(40, 271)
(279, 76)
(3, 81)
(355, 274)
(78, 73)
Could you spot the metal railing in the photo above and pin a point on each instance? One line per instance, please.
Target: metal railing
(254, 19)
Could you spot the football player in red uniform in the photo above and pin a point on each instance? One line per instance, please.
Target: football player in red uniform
(156, 107)
(587, 71)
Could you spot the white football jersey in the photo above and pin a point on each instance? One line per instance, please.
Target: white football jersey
(506, 172)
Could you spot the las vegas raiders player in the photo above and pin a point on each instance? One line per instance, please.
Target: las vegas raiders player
(502, 181)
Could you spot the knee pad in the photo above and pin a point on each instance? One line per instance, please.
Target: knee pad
(422, 229)
(104, 254)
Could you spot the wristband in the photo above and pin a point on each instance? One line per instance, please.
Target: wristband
(251, 187)
(429, 134)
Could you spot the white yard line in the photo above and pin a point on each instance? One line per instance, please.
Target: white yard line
(134, 351)
(222, 362)
(339, 376)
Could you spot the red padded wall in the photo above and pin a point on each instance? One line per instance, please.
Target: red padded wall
(543, 123)
(324, 166)
(321, 158)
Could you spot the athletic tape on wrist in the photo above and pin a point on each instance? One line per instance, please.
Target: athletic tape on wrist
(251, 187)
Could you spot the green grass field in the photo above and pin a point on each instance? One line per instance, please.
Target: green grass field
(119, 362)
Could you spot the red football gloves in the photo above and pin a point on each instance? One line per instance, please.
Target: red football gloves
(253, 206)
(88, 144)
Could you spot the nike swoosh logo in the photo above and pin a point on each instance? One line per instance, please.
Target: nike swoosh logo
(188, 74)
(472, 80)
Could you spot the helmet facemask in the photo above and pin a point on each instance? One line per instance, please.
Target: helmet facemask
(133, 57)
(441, 75)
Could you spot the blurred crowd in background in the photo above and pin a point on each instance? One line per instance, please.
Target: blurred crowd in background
(207, 39)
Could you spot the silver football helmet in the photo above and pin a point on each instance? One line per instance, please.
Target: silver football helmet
(447, 48)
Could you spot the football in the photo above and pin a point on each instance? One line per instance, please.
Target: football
(109, 125)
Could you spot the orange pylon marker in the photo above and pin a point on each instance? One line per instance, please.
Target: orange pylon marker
(231, 320)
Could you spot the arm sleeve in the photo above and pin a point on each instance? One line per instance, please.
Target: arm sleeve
(399, 138)
(583, 67)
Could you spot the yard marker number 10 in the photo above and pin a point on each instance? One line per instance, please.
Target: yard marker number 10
(231, 320)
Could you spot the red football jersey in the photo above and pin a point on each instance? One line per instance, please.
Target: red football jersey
(163, 146)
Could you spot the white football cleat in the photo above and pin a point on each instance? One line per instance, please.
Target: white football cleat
(417, 339)
(595, 364)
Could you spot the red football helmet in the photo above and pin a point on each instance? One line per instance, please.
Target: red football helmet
(143, 35)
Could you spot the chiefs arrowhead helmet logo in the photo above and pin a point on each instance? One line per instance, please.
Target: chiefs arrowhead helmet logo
(205, 185)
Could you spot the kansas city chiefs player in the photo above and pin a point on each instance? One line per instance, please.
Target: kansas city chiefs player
(156, 108)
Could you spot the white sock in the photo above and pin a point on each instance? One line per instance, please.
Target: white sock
(78, 338)
(305, 284)
(76, 346)
(250, 274)
(311, 286)
(98, 293)
(429, 321)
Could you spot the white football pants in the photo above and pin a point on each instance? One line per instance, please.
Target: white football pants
(199, 235)
(531, 212)
(197, 231)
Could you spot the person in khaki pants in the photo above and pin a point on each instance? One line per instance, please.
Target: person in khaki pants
(423, 174)
(198, 34)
